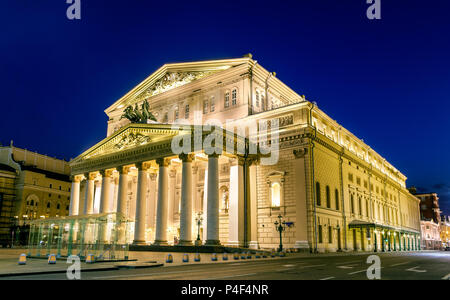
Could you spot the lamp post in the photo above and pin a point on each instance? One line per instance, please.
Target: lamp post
(199, 221)
(280, 226)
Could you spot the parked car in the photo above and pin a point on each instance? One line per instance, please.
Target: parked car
(447, 248)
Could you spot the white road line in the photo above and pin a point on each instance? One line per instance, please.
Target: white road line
(288, 266)
(327, 278)
(344, 267)
(399, 264)
(312, 266)
(352, 273)
(239, 275)
(446, 277)
(349, 262)
(415, 270)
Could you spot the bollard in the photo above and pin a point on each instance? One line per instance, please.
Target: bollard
(185, 257)
(169, 258)
(22, 259)
(214, 257)
(90, 259)
(236, 256)
(225, 256)
(52, 259)
(197, 257)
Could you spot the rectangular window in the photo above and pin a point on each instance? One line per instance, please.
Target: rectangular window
(227, 100)
(320, 234)
(350, 177)
(186, 112)
(213, 104)
(205, 107)
(330, 235)
(234, 97)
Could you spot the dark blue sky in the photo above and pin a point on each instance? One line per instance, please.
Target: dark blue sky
(385, 80)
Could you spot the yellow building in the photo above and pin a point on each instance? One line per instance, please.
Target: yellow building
(32, 186)
(334, 192)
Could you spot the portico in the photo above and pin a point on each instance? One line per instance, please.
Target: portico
(126, 173)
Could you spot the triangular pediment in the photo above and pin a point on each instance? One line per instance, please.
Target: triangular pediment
(131, 136)
(171, 76)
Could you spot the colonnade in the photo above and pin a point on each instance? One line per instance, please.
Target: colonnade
(212, 205)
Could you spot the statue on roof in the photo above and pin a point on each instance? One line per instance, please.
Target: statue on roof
(138, 115)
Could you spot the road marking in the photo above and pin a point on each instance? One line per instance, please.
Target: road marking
(327, 278)
(415, 270)
(312, 266)
(142, 275)
(446, 277)
(344, 267)
(288, 266)
(352, 273)
(399, 264)
(348, 262)
(239, 275)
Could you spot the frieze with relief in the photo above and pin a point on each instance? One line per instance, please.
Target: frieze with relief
(170, 81)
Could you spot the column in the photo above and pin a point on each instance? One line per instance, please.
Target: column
(74, 196)
(171, 209)
(186, 200)
(141, 204)
(253, 206)
(161, 208)
(195, 198)
(89, 198)
(123, 190)
(212, 237)
(301, 209)
(105, 196)
(151, 203)
(236, 210)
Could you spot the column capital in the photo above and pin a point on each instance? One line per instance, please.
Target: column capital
(123, 169)
(213, 155)
(186, 157)
(90, 176)
(106, 173)
(143, 166)
(76, 178)
(162, 162)
(300, 153)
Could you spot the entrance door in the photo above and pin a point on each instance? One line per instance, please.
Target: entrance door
(355, 246)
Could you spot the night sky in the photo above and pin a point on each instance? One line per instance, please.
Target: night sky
(387, 80)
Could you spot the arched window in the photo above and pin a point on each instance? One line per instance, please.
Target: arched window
(186, 111)
(328, 197)
(227, 100)
(275, 180)
(352, 204)
(205, 106)
(48, 205)
(234, 97)
(318, 193)
(213, 104)
(166, 118)
(336, 197)
(276, 194)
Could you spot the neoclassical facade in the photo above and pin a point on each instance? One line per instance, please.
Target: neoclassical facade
(334, 192)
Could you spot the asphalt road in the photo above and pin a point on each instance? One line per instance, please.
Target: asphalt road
(408, 266)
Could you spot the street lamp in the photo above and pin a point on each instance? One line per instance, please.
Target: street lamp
(280, 226)
(199, 221)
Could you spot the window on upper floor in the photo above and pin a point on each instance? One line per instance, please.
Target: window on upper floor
(275, 181)
(318, 200)
(257, 98)
(176, 113)
(205, 106)
(166, 118)
(327, 189)
(263, 103)
(234, 97)
(276, 194)
(186, 111)
(336, 196)
(213, 104)
(226, 102)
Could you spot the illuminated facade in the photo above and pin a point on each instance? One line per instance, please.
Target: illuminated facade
(32, 186)
(335, 192)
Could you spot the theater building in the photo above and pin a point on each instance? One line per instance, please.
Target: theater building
(334, 192)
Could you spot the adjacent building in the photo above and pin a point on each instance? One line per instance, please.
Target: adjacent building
(445, 230)
(334, 191)
(32, 186)
(430, 215)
